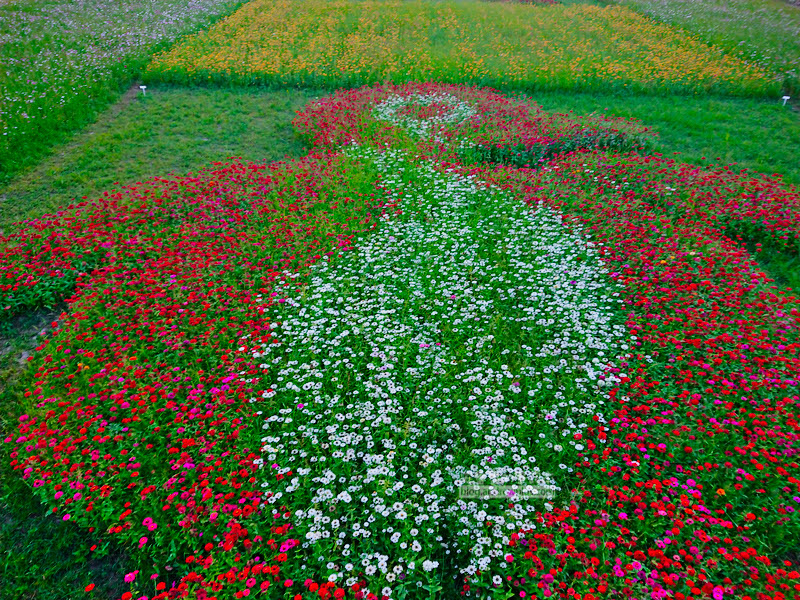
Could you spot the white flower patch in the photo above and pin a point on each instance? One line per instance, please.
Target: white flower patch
(460, 345)
(455, 111)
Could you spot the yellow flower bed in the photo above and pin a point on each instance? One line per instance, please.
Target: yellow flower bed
(509, 45)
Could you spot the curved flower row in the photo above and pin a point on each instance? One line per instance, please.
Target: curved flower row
(462, 342)
(190, 402)
(137, 414)
(702, 469)
(462, 119)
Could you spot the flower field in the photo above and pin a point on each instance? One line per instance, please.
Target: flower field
(763, 32)
(506, 45)
(464, 348)
(65, 61)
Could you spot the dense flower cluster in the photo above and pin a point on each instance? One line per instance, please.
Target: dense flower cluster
(701, 472)
(422, 375)
(137, 407)
(591, 396)
(463, 123)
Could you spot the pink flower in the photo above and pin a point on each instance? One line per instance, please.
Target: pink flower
(130, 577)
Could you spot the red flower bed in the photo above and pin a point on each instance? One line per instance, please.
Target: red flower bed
(138, 422)
(347, 117)
(702, 467)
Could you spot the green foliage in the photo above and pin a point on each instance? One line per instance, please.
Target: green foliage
(43, 557)
(521, 156)
(46, 559)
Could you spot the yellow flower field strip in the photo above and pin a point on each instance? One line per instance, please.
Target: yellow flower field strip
(762, 32)
(509, 45)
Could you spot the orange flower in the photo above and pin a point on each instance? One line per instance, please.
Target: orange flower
(512, 44)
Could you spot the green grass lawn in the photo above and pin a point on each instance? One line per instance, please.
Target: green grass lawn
(46, 559)
(64, 62)
(760, 135)
(168, 130)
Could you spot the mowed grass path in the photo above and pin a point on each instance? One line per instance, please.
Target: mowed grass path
(170, 130)
(504, 45)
